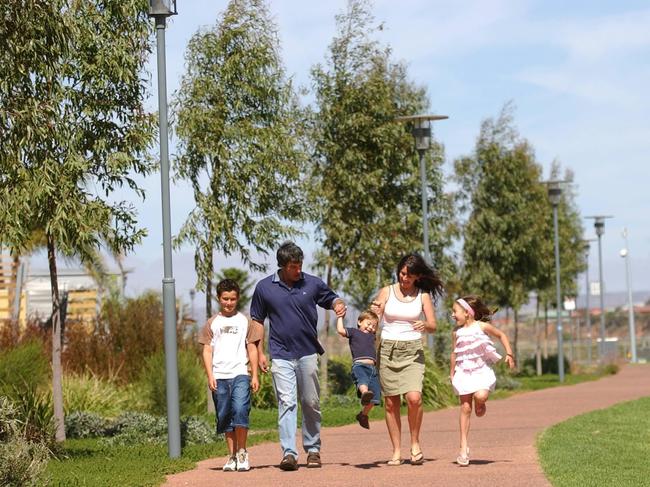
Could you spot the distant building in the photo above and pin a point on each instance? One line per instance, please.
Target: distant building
(78, 290)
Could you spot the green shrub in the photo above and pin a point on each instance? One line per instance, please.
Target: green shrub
(609, 369)
(191, 384)
(339, 377)
(436, 389)
(264, 398)
(22, 462)
(90, 393)
(140, 428)
(36, 412)
(549, 364)
(137, 428)
(23, 366)
(83, 424)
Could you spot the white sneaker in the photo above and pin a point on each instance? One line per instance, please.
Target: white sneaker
(231, 464)
(242, 461)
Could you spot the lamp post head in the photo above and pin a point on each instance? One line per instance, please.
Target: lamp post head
(599, 223)
(554, 191)
(421, 130)
(623, 253)
(162, 8)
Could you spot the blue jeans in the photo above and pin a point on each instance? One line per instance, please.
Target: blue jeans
(366, 374)
(232, 403)
(290, 379)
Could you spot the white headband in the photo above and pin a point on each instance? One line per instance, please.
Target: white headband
(466, 306)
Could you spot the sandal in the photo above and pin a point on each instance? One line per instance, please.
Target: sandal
(463, 460)
(417, 458)
(394, 462)
(366, 397)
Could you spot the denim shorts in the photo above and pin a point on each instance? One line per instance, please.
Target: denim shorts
(232, 402)
(366, 374)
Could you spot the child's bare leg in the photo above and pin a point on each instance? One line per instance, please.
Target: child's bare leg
(480, 398)
(363, 388)
(240, 435)
(464, 419)
(230, 442)
(367, 408)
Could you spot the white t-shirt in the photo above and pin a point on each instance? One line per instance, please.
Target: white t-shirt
(227, 335)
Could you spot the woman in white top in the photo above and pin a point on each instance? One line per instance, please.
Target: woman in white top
(407, 311)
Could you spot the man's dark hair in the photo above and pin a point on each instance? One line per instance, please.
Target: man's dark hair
(227, 285)
(289, 252)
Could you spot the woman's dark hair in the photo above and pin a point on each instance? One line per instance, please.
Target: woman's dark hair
(429, 279)
(289, 252)
(481, 311)
(227, 285)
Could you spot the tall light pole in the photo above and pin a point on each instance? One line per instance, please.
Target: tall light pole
(586, 246)
(554, 195)
(421, 132)
(630, 304)
(160, 10)
(599, 226)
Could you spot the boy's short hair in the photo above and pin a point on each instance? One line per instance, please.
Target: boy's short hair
(226, 285)
(368, 315)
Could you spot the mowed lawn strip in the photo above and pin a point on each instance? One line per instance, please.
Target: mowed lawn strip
(605, 447)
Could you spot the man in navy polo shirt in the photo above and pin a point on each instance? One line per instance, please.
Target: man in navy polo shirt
(288, 299)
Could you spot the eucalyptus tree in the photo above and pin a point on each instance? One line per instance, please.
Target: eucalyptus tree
(364, 172)
(239, 130)
(364, 176)
(73, 130)
(500, 187)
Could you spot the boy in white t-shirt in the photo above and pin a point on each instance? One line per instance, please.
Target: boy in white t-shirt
(229, 345)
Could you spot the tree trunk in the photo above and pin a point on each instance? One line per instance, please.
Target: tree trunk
(208, 286)
(538, 340)
(545, 330)
(57, 339)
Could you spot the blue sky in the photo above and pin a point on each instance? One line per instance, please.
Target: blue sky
(577, 72)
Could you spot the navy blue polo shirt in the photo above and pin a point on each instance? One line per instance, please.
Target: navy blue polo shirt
(292, 314)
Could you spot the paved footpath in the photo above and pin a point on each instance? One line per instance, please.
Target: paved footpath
(502, 444)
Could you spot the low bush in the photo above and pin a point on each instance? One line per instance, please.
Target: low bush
(339, 377)
(549, 365)
(264, 398)
(22, 462)
(191, 384)
(133, 428)
(90, 393)
(84, 424)
(23, 366)
(436, 389)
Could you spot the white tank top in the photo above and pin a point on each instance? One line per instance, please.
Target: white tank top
(399, 317)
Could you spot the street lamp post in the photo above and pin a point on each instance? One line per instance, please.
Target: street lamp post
(599, 226)
(586, 246)
(630, 304)
(160, 10)
(554, 195)
(421, 132)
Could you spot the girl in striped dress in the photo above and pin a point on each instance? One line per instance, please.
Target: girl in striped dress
(473, 354)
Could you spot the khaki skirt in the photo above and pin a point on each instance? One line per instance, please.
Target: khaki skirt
(401, 366)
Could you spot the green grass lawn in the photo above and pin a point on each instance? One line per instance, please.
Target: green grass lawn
(609, 447)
